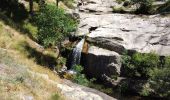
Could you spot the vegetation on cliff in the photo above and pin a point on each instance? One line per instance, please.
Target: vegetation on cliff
(150, 67)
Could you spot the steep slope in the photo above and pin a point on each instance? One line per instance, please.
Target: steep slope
(21, 77)
(25, 76)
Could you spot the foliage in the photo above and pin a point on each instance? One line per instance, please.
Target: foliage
(123, 87)
(29, 28)
(139, 65)
(143, 6)
(167, 62)
(146, 90)
(61, 61)
(53, 25)
(120, 1)
(126, 3)
(79, 77)
(165, 8)
(160, 81)
(101, 88)
(151, 67)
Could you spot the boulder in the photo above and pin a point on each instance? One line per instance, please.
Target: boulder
(101, 63)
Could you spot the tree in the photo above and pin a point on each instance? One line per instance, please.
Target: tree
(53, 25)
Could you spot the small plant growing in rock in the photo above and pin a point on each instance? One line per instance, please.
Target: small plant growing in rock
(79, 77)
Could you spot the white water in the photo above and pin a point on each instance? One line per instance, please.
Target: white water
(76, 55)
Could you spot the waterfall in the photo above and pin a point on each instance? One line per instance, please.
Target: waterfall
(76, 55)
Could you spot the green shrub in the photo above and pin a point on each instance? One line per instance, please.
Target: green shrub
(101, 88)
(29, 28)
(80, 78)
(146, 90)
(53, 25)
(139, 64)
(144, 6)
(165, 8)
(150, 67)
(126, 3)
(160, 81)
(123, 87)
(167, 62)
(60, 63)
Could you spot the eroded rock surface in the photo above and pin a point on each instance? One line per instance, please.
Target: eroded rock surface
(97, 5)
(76, 92)
(132, 32)
(113, 33)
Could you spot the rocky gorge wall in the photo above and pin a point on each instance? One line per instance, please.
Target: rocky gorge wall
(110, 34)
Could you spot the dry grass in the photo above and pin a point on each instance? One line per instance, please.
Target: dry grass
(21, 77)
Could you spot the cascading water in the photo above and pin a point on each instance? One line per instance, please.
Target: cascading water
(76, 55)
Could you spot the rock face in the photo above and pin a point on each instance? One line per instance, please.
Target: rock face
(97, 5)
(132, 32)
(76, 92)
(100, 62)
(112, 33)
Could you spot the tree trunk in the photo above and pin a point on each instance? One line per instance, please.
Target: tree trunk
(31, 6)
(57, 1)
(59, 49)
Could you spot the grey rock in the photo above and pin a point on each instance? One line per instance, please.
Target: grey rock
(99, 62)
(131, 32)
(97, 5)
(77, 92)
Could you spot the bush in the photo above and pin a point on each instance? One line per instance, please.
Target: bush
(165, 8)
(144, 6)
(160, 81)
(102, 88)
(150, 67)
(80, 78)
(126, 3)
(139, 65)
(167, 62)
(53, 25)
(60, 63)
(32, 30)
